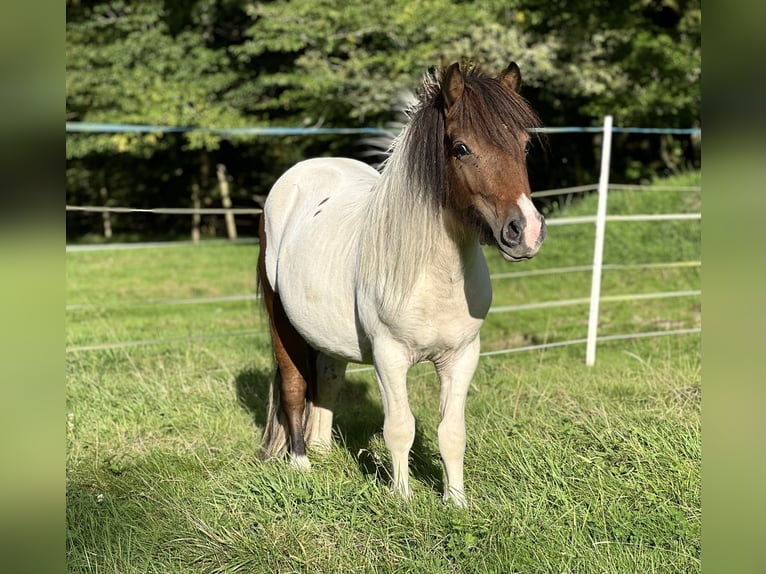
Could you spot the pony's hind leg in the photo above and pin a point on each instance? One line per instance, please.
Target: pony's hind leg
(292, 355)
(330, 374)
(455, 374)
(295, 361)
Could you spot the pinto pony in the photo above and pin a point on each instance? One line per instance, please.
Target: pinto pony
(387, 268)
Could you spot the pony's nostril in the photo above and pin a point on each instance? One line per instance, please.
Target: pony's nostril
(513, 230)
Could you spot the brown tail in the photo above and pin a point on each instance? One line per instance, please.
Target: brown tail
(274, 441)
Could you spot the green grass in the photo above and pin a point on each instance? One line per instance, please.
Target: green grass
(568, 468)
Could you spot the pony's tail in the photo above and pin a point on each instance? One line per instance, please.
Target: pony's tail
(275, 441)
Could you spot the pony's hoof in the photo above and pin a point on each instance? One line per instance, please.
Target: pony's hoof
(456, 498)
(320, 446)
(402, 492)
(300, 462)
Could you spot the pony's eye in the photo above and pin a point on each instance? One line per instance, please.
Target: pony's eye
(460, 150)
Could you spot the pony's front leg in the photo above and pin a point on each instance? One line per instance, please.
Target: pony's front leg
(391, 367)
(455, 373)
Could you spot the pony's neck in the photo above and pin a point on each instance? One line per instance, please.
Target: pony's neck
(407, 233)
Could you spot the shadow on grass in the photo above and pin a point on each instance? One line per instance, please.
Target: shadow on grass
(252, 387)
(357, 420)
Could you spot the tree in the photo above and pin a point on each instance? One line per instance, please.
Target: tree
(153, 62)
(638, 60)
(134, 63)
(230, 63)
(324, 62)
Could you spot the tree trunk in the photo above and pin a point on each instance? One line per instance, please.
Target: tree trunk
(106, 217)
(231, 226)
(204, 176)
(196, 217)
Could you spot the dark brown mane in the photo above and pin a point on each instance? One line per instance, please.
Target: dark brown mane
(486, 108)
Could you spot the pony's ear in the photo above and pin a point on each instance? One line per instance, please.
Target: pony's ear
(452, 85)
(511, 77)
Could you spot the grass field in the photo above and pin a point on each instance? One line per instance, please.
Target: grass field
(568, 468)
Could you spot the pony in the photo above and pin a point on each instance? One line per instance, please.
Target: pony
(386, 268)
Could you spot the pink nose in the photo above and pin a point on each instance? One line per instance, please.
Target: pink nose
(520, 232)
(536, 231)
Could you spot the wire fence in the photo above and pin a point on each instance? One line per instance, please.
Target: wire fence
(94, 127)
(600, 219)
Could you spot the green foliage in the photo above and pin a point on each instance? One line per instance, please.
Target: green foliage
(125, 65)
(331, 62)
(231, 63)
(209, 63)
(635, 59)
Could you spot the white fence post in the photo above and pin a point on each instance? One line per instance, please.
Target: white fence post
(598, 250)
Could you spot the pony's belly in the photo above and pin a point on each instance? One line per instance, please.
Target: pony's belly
(326, 323)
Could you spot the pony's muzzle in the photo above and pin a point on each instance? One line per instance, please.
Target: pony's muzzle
(520, 238)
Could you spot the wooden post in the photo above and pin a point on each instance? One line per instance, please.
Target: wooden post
(231, 226)
(196, 217)
(204, 177)
(106, 216)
